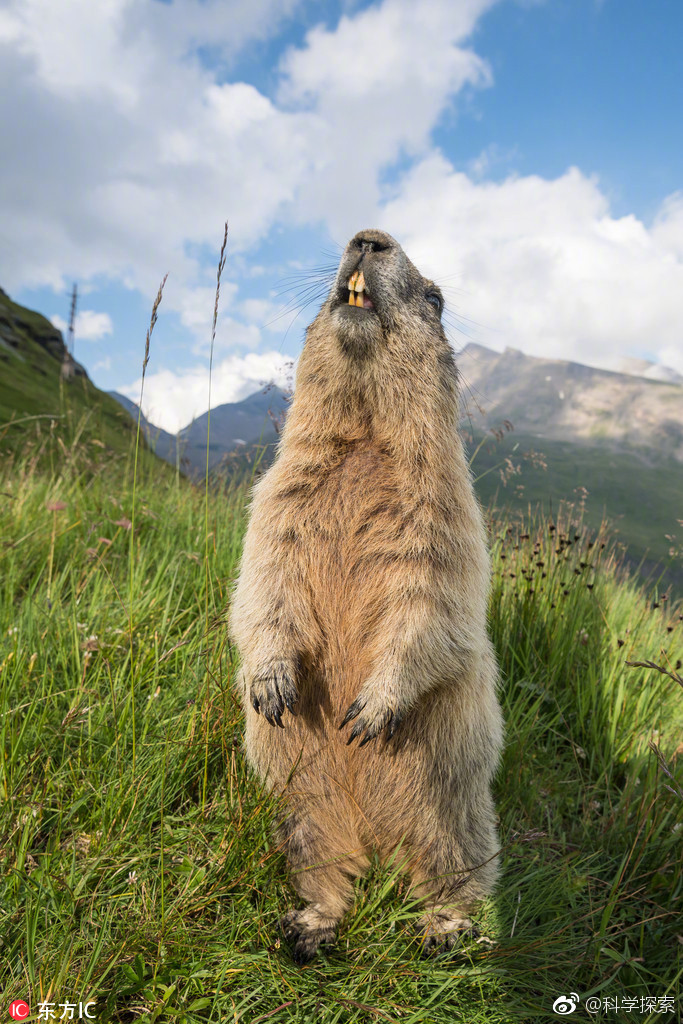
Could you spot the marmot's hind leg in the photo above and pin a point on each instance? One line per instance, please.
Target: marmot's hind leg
(453, 873)
(324, 855)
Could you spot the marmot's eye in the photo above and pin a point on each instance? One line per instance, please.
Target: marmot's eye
(436, 301)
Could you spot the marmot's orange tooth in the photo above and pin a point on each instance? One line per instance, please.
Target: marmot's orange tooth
(359, 299)
(360, 283)
(352, 280)
(352, 299)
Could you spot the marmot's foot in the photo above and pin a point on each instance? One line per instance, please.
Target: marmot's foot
(273, 689)
(373, 717)
(442, 931)
(305, 938)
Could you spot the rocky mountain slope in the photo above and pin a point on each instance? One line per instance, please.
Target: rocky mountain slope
(556, 400)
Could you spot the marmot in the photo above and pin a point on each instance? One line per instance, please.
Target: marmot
(360, 611)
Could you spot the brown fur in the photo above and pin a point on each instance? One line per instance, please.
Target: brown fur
(362, 599)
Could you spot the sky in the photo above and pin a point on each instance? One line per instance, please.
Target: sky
(527, 155)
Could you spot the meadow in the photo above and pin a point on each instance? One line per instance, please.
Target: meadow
(137, 868)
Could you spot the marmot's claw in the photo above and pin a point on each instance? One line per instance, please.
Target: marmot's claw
(353, 712)
(356, 731)
(271, 692)
(305, 938)
(388, 720)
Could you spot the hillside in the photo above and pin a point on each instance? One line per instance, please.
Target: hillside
(615, 436)
(641, 500)
(34, 393)
(611, 442)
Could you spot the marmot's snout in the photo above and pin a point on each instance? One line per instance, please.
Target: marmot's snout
(364, 290)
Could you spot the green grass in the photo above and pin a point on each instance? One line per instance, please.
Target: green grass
(640, 499)
(152, 885)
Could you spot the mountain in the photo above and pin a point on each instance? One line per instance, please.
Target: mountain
(558, 400)
(543, 431)
(160, 441)
(40, 383)
(235, 428)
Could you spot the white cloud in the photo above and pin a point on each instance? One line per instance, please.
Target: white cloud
(172, 400)
(135, 152)
(542, 265)
(89, 325)
(268, 315)
(148, 149)
(378, 83)
(668, 226)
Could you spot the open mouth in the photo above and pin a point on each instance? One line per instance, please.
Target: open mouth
(357, 295)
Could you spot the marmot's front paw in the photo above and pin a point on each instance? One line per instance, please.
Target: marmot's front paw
(372, 719)
(271, 691)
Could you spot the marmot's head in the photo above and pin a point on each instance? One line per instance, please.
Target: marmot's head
(378, 292)
(376, 352)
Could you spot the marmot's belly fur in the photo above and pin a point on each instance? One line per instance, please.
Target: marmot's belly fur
(368, 679)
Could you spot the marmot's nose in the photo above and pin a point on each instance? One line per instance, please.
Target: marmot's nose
(372, 240)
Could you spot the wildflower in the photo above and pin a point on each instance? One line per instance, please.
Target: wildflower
(55, 506)
(124, 522)
(132, 877)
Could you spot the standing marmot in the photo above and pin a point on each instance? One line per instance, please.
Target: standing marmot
(361, 607)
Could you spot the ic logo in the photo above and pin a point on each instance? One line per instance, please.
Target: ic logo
(19, 1009)
(566, 1004)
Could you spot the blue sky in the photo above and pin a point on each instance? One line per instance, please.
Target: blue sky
(526, 154)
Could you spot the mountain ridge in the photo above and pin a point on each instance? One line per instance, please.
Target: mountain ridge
(561, 400)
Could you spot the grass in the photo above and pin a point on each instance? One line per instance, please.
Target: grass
(152, 885)
(639, 498)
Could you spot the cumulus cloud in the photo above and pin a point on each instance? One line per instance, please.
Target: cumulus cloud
(89, 325)
(172, 400)
(542, 265)
(378, 83)
(138, 150)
